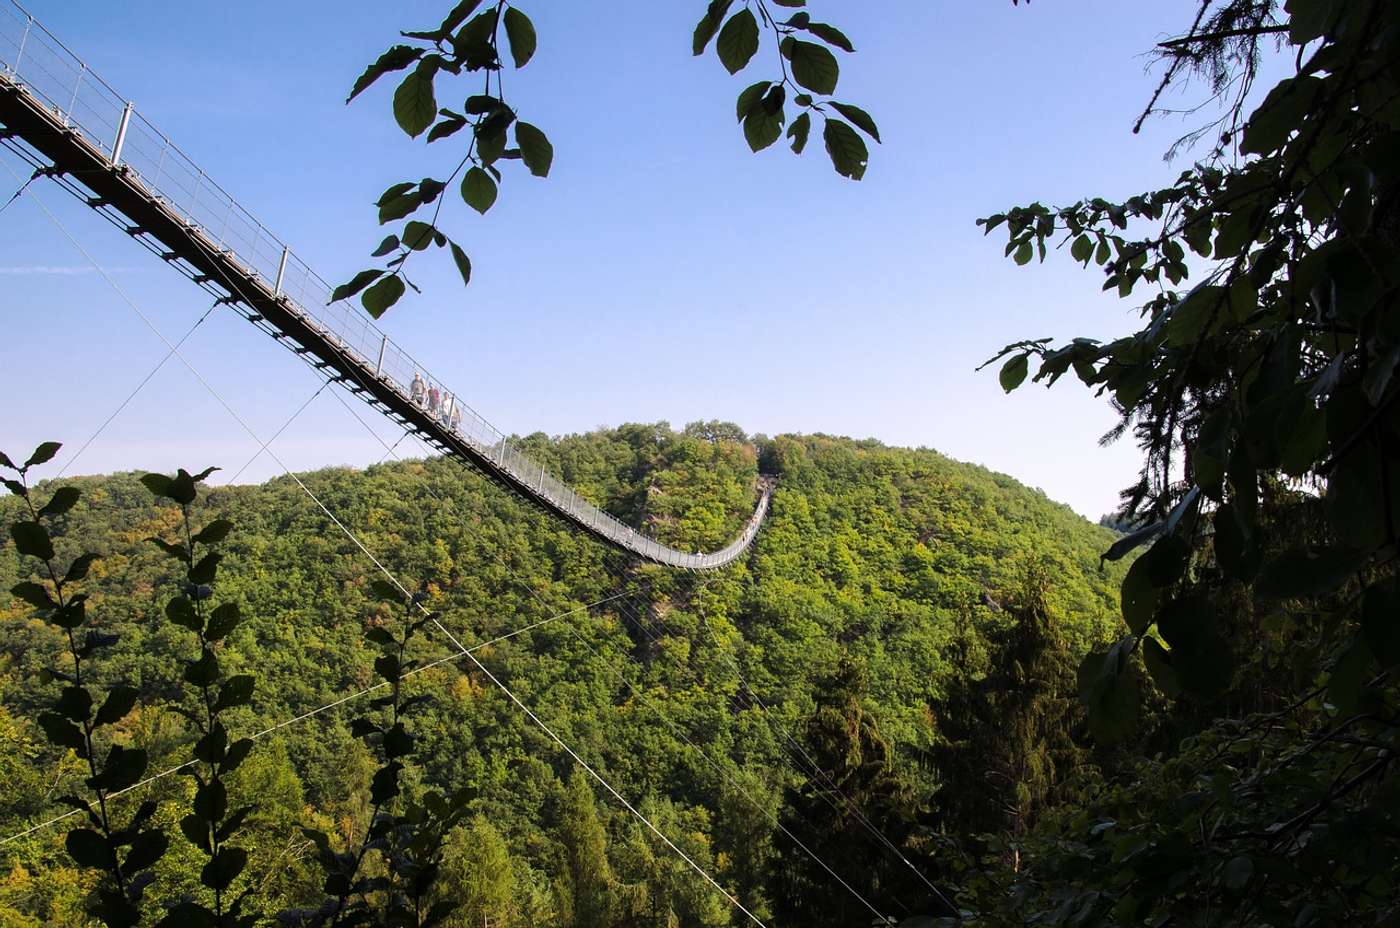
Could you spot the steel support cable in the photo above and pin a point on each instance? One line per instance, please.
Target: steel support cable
(323, 708)
(132, 395)
(38, 171)
(234, 290)
(275, 435)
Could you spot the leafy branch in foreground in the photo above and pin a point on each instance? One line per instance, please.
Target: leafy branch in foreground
(1274, 374)
(469, 42)
(210, 825)
(72, 723)
(406, 836)
(805, 68)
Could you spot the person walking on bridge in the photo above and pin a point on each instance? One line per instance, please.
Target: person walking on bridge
(434, 399)
(415, 389)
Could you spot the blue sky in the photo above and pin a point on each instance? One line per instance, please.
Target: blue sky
(660, 272)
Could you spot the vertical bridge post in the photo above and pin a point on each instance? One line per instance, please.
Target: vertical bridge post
(379, 365)
(281, 271)
(121, 135)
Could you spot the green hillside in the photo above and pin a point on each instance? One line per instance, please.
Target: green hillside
(888, 565)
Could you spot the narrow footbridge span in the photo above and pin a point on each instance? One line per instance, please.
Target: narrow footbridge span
(70, 125)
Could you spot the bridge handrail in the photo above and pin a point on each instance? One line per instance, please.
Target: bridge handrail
(34, 59)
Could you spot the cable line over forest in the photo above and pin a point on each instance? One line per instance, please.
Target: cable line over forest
(73, 127)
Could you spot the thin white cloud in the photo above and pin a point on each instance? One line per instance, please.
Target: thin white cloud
(19, 270)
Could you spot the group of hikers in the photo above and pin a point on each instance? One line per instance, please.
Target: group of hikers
(441, 405)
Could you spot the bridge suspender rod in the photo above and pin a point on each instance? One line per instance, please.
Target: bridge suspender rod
(121, 135)
(282, 272)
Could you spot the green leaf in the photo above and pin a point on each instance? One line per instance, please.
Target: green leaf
(182, 487)
(204, 671)
(1166, 560)
(749, 98)
(35, 594)
(32, 539)
(214, 532)
(1138, 597)
(385, 785)
(478, 190)
(535, 149)
(1082, 249)
(847, 150)
(399, 207)
(147, 848)
(79, 568)
(180, 610)
(708, 25)
(236, 691)
(222, 621)
(832, 36)
(382, 295)
(388, 667)
(397, 741)
(1280, 114)
(417, 235)
(1109, 689)
(236, 754)
(1237, 873)
(196, 831)
(42, 454)
(205, 568)
(798, 131)
(1299, 573)
(415, 107)
(521, 33)
(1159, 664)
(211, 801)
(359, 281)
(124, 768)
(464, 264)
(395, 59)
(62, 500)
(1132, 541)
(75, 703)
(62, 733)
(1013, 372)
(738, 41)
(813, 65)
(120, 701)
(761, 129)
(89, 849)
(1024, 252)
(858, 116)
(211, 747)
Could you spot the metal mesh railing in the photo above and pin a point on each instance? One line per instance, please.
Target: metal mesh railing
(32, 59)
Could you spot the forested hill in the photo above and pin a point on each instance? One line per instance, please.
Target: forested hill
(883, 580)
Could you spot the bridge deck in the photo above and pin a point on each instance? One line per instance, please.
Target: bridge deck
(135, 177)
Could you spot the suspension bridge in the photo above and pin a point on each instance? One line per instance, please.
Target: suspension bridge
(72, 126)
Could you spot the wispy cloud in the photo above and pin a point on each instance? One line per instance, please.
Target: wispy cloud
(19, 270)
